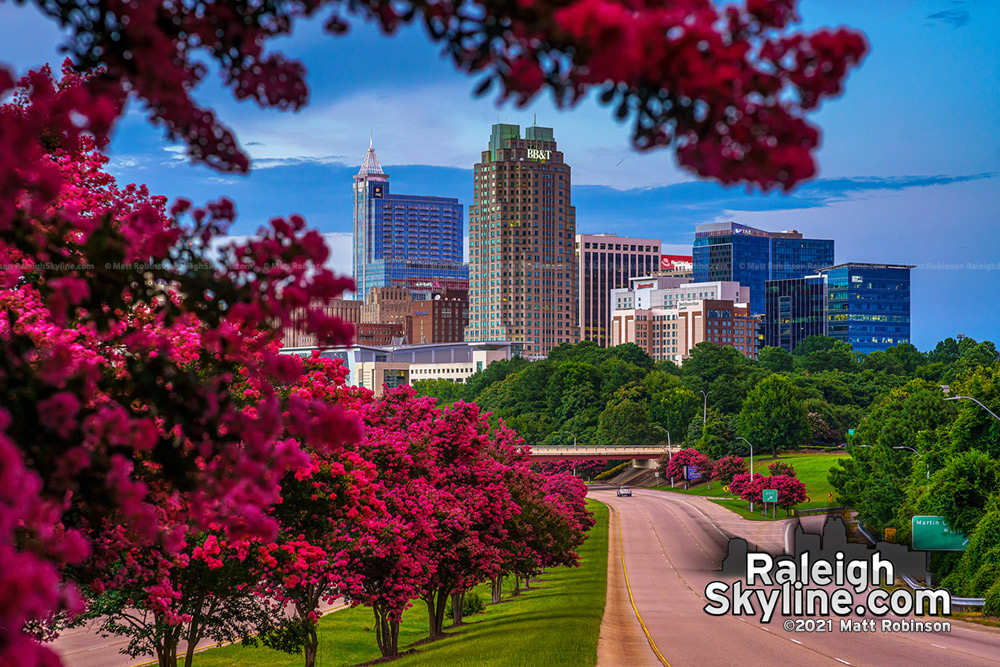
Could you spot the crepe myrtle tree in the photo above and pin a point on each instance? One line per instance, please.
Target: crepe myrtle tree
(674, 465)
(158, 597)
(471, 531)
(121, 343)
(320, 504)
(728, 467)
(392, 555)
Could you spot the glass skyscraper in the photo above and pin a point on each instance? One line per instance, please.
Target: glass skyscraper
(794, 309)
(868, 305)
(403, 239)
(751, 257)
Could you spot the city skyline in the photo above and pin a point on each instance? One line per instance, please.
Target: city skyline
(904, 176)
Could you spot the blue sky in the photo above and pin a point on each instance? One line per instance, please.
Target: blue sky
(909, 165)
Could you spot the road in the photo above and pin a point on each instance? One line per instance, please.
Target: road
(673, 546)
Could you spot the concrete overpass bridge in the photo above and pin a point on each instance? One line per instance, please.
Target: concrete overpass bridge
(643, 456)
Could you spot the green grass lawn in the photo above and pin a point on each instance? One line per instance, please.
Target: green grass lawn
(555, 623)
(811, 469)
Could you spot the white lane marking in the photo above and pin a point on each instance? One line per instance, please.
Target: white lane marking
(706, 518)
(843, 661)
(797, 642)
(939, 646)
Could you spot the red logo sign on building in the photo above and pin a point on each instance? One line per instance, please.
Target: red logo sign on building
(676, 262)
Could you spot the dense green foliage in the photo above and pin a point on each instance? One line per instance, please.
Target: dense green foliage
(954, 471)
(782, 402)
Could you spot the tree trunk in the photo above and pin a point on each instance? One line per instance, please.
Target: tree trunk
(309, 604)
(496, 589)
(166, 655)
(311, 647)
(166, 648)
(192, 642)
(517, 585)
(193, 636)
(457, 601)
(435, 611)
(386, 632)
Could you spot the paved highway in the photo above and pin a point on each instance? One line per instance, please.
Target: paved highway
(673, 546)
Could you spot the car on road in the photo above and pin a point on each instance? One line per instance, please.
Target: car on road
(624, 491)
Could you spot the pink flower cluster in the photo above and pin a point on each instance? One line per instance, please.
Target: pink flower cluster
(119, 362)
(728, 85)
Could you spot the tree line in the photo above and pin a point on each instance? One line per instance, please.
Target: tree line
(779, 402)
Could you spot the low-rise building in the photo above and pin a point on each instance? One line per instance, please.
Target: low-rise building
(439, 320)
(346, 309)
(668, 334)
(378, 367)
(370, 333)
(672, 292)
(387, 305)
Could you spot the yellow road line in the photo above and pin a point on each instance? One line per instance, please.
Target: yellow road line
(628, 587)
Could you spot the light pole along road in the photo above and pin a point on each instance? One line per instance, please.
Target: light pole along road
(670, 547)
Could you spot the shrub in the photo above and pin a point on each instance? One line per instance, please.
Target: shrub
(781, 468)
(992, 605)
(608, 474)
(472, 603)
(729, 467)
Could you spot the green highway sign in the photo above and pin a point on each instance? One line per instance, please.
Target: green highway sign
(931, 533)
(770, 495)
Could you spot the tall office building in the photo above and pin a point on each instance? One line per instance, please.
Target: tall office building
(606, 262)
(751, 257)
(868, 305)
(403, 240)
(522, 226)
(795, 308)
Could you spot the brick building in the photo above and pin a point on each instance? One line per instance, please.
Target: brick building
(668, 334)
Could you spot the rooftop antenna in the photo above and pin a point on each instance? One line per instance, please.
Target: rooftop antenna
(534, 122)
(371, 139)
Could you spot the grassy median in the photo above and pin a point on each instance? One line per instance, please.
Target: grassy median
(555, 623)
(811, 469)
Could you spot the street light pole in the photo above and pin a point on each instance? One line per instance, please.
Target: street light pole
(670, 451)
(704, 412)
(969, 398)
(574, 447)
(927, 467)
(740, 437)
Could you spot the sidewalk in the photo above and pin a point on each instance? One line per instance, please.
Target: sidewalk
(86, 647)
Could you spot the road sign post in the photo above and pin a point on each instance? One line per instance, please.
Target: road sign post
(770, 496)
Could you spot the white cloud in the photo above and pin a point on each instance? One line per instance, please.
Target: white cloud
(340, 245)
(442, 125)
